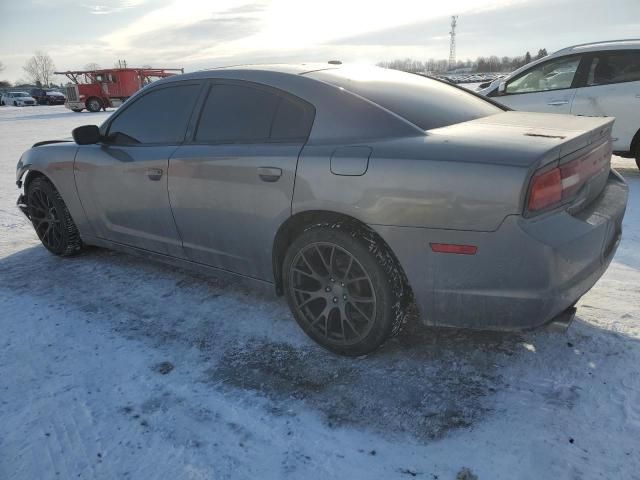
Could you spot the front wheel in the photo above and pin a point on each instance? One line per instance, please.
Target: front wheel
(94, 105)
(344, 288)
(51, 218)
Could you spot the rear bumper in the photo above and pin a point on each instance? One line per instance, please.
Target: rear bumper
(523, 274)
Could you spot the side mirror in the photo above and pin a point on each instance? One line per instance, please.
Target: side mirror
(86, 135)
(502, 88)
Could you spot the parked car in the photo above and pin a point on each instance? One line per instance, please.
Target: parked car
(595, 79)
(47, 96)
(17, 99)
(353, 191)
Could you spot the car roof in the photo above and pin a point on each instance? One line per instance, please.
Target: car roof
(626, 44)
(290, 68)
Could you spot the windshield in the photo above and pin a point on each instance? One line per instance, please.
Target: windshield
(425, 102)
(20, 94)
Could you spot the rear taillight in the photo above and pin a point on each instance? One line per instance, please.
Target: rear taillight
(560, 184)
(545, 190)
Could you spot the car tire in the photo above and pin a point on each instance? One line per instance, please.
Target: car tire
(51, 218)
(638, 156)
(77, 110)
(94, 105)
(344, 288)
(15, 104)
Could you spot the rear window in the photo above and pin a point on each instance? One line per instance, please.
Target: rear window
(425, 102)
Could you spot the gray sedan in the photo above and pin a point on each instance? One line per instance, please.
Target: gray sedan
(356, 192)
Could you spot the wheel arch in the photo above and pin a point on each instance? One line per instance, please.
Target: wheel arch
(299, 222)
(30, 175)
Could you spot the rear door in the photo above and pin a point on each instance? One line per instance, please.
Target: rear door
(231, 185)
(612, 88)
(122, 182)
(546, 87)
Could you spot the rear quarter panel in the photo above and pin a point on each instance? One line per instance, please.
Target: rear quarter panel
(407, 183)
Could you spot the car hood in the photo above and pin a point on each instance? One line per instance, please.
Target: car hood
(517, 138)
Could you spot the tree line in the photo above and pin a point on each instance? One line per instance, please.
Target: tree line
(491, 63)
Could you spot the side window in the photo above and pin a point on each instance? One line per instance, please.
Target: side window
(292, 121)
(160, 116)
(245, 114)
(614, 67)
(552, 75)
(236, 114)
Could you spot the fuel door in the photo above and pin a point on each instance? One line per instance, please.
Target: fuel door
(350, 161)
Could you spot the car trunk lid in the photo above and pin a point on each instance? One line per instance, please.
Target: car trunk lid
(568, 157)
(525, 139)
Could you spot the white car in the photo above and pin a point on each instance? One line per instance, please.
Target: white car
(17, 99)
(595, 79)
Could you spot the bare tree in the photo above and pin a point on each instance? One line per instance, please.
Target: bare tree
(40, 68)
(92, 66)
(1, 66)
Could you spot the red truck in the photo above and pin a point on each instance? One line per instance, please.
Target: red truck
(96, 90)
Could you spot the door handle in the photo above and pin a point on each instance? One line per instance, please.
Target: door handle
(556, 103)
(154, 173)
(269, 174)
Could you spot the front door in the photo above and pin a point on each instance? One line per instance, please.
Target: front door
(231, 186)
(546, 87)
(122, 183)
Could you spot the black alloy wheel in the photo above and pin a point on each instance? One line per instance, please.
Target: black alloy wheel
(333, 293)
(344, 288)
(51, 218)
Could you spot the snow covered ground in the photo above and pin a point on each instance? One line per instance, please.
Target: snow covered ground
(87, 389)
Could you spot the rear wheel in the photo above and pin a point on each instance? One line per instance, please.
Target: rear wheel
(343, 290)
(94, 105)
(51, 218)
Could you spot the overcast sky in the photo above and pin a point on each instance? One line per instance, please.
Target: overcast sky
(207, 33)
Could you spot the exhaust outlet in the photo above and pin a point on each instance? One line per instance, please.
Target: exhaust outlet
(561, 322)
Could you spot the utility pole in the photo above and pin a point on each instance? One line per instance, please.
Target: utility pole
(452, 44)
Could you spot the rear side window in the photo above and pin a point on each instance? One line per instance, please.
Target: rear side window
(425, 102)
(246, 114)
(614, 67)
(160, 116)
(292, 121)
